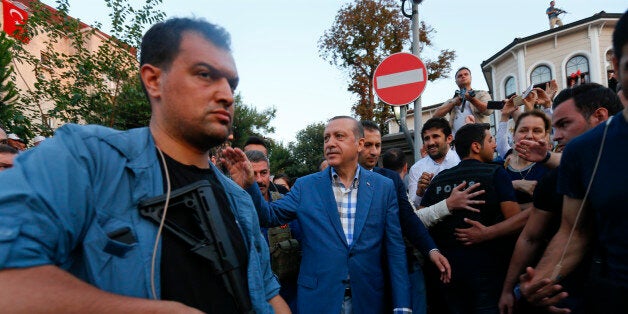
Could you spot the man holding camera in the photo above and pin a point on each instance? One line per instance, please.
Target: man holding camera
(466, 102)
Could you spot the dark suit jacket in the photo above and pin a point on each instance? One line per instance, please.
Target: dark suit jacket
(411, 226)
(328, 261)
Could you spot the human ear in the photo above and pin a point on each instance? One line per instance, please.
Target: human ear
(151, 78)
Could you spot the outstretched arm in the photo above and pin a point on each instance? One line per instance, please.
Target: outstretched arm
(536, 151)
(457, 200)
(239, 166)
(479, 233)
(50, 289)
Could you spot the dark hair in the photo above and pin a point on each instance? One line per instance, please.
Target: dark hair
(469, 134)
(257, 156)
(283, 176)
(460, 69)
(369, 125)
(620, 35)
(255, 140)
(358, 130)
(394, 159)
(547, 124)
(439, 123)
(6, 149)
(160, 45)
(589, 97)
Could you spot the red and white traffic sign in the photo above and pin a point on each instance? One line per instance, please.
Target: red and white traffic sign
(400, 79)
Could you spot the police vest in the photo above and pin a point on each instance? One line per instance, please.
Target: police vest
(440, 188)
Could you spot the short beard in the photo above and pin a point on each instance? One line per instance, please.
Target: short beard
(438, 155)
(206, 142)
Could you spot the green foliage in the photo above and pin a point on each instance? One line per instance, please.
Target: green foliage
(307, 152)
(247, 121)
(11, 118)
(96, 81)
(357, 45)
(280, 158)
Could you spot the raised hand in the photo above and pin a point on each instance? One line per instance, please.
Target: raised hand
(459, 199)
(530, 150)
(239, 166)
(509, 108)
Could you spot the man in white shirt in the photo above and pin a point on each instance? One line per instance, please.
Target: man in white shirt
(437, 137)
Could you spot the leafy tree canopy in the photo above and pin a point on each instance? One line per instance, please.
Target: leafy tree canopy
(96, 80)
(247, 121)
(364, 32)
(307, 151)
(11, 118)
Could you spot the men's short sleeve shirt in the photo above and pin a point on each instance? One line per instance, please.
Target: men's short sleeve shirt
(458, 114)
(551, 15)
(607, 197)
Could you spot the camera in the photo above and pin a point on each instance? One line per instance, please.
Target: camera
(460, 93)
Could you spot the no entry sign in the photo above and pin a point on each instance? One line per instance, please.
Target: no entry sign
(400, 79)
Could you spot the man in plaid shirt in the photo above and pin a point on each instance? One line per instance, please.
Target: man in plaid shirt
(350, 224)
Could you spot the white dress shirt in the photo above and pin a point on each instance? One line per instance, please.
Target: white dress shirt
(427, 164)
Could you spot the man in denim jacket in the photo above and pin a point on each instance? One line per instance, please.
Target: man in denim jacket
(62, 204)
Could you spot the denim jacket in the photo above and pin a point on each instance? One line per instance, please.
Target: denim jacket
(61, 199)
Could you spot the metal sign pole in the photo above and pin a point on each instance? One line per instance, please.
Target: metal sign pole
(416, 50)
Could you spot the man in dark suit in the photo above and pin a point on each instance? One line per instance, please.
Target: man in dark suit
(350, 223)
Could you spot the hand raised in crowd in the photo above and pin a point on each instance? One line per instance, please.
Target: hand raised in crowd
(543, 98)
(531, 150)
(239, 166)
(544, 293)
(551, 89)
(424, 182)
(441, 262)
(526, 186)
(530, 100)
(461, 198)
(473, 235)
(509, 108)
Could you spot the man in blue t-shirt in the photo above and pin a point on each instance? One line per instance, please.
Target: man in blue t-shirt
(594, 206)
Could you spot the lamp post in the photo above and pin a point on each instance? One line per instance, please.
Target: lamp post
(416, 50)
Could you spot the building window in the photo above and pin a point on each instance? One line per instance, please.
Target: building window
(577, 71)
(541, 74)
(510, 87)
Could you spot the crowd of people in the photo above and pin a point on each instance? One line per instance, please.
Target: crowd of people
(168, 218)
